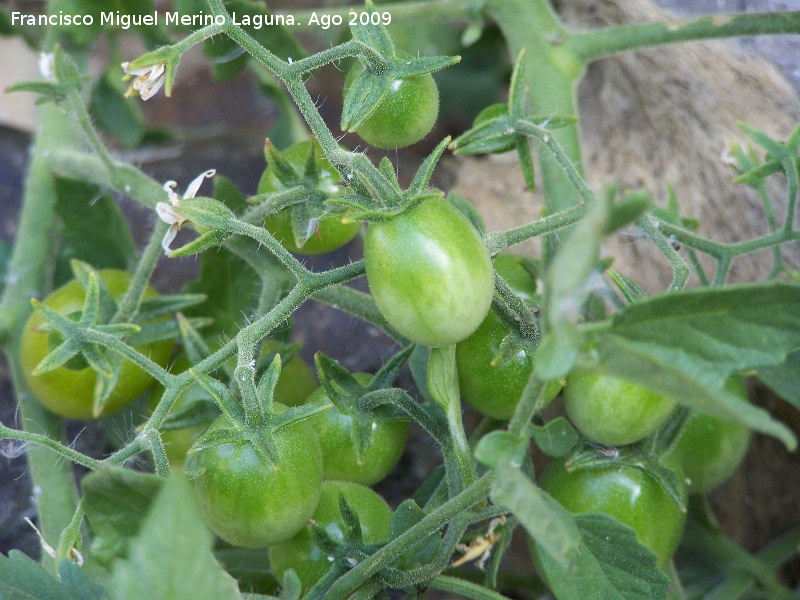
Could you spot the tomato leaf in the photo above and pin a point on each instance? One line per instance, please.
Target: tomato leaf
(22, 577)
(545, 520)
(609, 563)
(404, 518)
(94, 228)
(785, 380)
(556, 437)
(174, 528)
(687, 344)
(115, 501)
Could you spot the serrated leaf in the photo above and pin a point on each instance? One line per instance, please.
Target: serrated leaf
(501, 447)
(115, 500)
(78, 582)
(610, 564)
(555, 438)
(686, 344)
(94, 230)
(785, 380)
(22, 578)
(545, 520)
(173, 528)
(405, 516)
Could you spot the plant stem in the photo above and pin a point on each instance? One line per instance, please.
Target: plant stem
(464, 588)
(592, 45)
(431, 523)
(551, 70)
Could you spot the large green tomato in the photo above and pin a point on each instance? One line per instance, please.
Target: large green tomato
(69, 392)
(328, 231)
(495, 390)
(627, 493)
(246, 501)
(334, 427)
(708, 450)
(429, 273)
(612, 411)
(405, 115)
(304, 555)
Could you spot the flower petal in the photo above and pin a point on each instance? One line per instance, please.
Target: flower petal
(197, 182)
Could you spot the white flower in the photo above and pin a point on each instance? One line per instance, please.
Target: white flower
(148, 80)
(47, 66)
(168, 214)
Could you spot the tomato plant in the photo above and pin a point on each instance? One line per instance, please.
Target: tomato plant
(429, 273)
(68, 391)
(303, 552)
(334, 429)
(612, 411)
(405, 115)
(495, 389)
(708, 450)
(299, 229)
(247, 501)
(626, 492)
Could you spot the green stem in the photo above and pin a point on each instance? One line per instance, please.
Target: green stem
(551, 70)
(51, 477)
(129, 305)
(497, 241)
(43, 441)
(431, 523)
(680, 270)
(592, 45)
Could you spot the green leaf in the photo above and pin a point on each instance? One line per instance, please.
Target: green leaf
(785, 380)
(687, 344)
(115, 500)
(112, 112)
(408, 514)
(79, 583)
(555, 438)
(22, 578)
(556, 353)
(443, 376)
(173, 528)
(545, 520)
(609, 563)
(94, 229)
(232, 287)
(501, 447)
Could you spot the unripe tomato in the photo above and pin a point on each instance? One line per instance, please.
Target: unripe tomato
(708, 450)
(334, 428)
(405, 115)
(429, 273)
(328, 231)
(250, 503)
(627, 493)
(495, 390)
(305, 556)
(69, 392)
(612, 411)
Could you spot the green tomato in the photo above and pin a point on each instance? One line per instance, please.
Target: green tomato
(708, 450)
(612, 411)
(246, 501)
(495, 390)
(404, 116)
(304, 555)
(627, 493)
(334, 427)
(328, 230)
(68, 391)
(429, 273)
